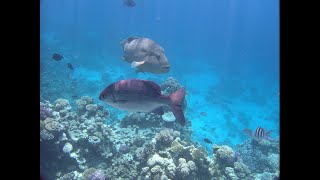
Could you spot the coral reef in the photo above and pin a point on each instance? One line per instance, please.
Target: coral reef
(227, 164)
(97, 175)
(165, 137)
(175, 159)
(168, 117)
(260, 156)
(80, 139)
(142, 120)
(224, 155)
(65, 134)
(45, 110)
(77, 142)
(67, 148)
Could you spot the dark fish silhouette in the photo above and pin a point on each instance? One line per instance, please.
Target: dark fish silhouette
(70, 66)
(259, 134)
(57, 57)
(74, 96)
(136, 95)
(129, 3)
(203, 114)
(207, 140)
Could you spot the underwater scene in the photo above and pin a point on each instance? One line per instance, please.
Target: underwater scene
(159, 89)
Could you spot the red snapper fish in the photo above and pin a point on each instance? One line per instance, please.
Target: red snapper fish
(136, 95)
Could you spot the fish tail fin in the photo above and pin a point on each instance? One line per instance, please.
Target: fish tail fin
(248, 132)
(269, 138)
(269, 132)
(267, 135)
(176, 99)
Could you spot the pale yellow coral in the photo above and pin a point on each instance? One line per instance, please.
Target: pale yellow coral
(199, 153)
(176, 147)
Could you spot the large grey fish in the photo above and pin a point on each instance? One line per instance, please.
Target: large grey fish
(145, 55)
(136, 95)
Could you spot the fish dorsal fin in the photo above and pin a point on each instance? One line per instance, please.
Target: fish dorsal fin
(153, 86)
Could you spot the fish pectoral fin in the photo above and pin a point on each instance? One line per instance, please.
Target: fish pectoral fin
(135, 64)
(158, 111)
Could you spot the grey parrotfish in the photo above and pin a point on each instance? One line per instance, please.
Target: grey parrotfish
(145, 55)
(136, 95)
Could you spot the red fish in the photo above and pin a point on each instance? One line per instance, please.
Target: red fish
(137, 95)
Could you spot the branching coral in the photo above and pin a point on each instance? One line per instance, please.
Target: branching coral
(141, 146)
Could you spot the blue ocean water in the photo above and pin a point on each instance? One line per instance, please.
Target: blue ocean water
(226, 54)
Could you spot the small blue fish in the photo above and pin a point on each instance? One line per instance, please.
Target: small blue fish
(207, 141)
(70, 66)
(259, 134)
(57, 57)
